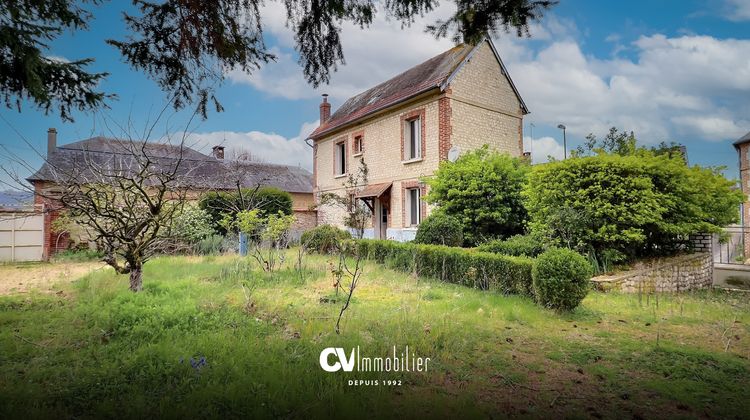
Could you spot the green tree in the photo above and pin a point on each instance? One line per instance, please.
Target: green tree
(188, 46)
(623, 207)
(482, 189)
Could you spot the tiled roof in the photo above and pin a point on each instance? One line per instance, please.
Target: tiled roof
(418, 79)
(196, 170)
(432, 74)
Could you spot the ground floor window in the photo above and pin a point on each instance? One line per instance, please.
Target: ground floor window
(414, 203)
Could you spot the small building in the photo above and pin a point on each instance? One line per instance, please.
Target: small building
(200, 172)
(403, 128)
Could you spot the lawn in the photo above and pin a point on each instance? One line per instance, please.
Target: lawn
(214, 336)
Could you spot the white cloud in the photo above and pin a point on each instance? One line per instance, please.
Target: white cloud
(737, 10)
(675, 84)
(266, 147)
(690, 85)
(542, 148)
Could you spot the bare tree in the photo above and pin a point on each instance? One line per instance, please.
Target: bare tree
(124, 193)
(128, 199)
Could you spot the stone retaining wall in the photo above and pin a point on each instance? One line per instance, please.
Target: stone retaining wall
(673, 274)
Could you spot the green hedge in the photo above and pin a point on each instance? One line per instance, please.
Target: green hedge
(518, 245)
(482, 270)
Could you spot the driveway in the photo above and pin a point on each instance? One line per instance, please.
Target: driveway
(43, 277)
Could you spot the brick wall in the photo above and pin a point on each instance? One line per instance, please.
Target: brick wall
(53, 241)
(745, 186)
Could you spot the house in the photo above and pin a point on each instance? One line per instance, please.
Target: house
(742, 146)
(403, 128)
(200, 172)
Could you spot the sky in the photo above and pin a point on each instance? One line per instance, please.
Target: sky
(669, 70)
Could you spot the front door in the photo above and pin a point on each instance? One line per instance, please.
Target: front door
(383, 225)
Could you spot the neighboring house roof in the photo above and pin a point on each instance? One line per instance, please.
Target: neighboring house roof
(435, 73)
(196, 170)
(742, 140)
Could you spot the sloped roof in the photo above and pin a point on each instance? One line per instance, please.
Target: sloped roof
(742, 140)
(432, 74)
(86, 159)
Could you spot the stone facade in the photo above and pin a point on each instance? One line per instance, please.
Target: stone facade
(673, 274)
(479, 107)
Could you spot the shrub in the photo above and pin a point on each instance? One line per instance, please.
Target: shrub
(626, 207)
(192, 225)
(561, 279)
(440, 229)
(269, 200)
(210, 245)
(324, 239)
(518, 245)
(468, 267)
(482, 189)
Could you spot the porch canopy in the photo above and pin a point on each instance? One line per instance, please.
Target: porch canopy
(369, 193)
(373, 190)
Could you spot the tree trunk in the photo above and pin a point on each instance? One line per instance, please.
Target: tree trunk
(136, 279)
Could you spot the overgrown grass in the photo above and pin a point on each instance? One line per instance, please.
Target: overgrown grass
(98, 350)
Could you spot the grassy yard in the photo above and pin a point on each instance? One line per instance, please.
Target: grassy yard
(98, 350)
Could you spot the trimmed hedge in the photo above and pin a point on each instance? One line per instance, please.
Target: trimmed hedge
(467, 267)
(561, 279)
(440, 229)
(518, 245)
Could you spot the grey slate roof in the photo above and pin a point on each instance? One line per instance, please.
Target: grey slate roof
(196, 170)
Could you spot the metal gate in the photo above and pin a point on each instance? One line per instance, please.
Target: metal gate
(730, 256)
(729, 246)
(21, 235)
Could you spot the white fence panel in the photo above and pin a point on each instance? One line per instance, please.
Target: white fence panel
(21, 236)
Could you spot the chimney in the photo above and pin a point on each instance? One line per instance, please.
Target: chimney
(218, 152)
(325, 110)
(51, 141)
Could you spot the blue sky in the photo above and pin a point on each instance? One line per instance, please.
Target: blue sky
(669, 70)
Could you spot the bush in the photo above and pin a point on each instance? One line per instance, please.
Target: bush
(468, 267)
(192, 225)
(621, 208)
(440, 229)
(518, 245)
(210, 245)
(324, 239)
(561, 279)
(482, 189)
(269, 200)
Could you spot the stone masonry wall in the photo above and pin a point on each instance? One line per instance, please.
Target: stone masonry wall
(673, 274)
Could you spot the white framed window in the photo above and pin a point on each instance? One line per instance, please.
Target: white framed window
(340, 156)
(359, 146)
(414, 206)
(413, 138)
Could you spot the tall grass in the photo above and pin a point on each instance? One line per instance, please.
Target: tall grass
(215, 336)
